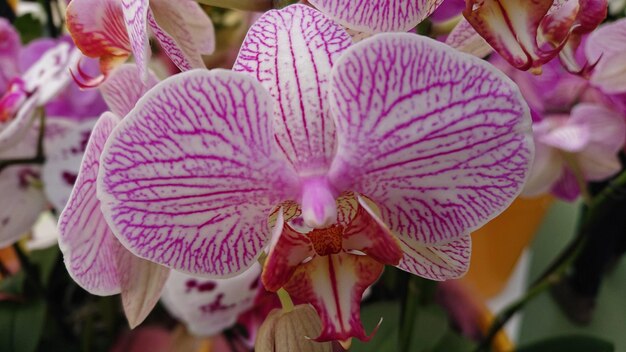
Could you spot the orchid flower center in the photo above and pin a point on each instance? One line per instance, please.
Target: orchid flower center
(327, 241)
(319, 208)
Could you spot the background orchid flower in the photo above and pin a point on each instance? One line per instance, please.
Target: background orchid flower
(528, 34)
(35, 88)
(209, 306)
(9, 50)
(189, 178)
(378, 15)
(607, 46)
(93, 256)
(576, 148)
(112, 29)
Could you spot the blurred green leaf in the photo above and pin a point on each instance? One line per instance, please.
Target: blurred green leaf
(21, 325)
(453, 342)
(431, 326)
(29, 27)
(45, 260)
(570, 343)
(14, 284)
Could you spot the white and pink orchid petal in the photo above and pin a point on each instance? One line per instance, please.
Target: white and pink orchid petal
(291, 52)
(90, 249)
(141, 283)
(334, 285)
(14, 130)
(568, 137)
(610, 77)
(169, 23)
(189, 177)
(136, 21)
(65, 142)
(99, 31)
(464, 38)
(291, 248)
(375, 16)
(50, 74)
(440, 262)
(545, 171)
(607, 47)
(22, 203)
(511, 28)
(607, 130)
(368, 234)
(206, 306)
(200, 26)
(124, 87)
(439, 140)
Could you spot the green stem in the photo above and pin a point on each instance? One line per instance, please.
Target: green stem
(598, 207)
(409, 311)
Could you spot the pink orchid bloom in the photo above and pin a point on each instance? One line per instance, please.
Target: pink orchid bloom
(93, 256)
(529, 34)
(31, 188)
(448, 10)
(190, 177)
(10, 46)
(607, 46)
(376, 16)
(112, 29)
(581, 146)
(209, 306)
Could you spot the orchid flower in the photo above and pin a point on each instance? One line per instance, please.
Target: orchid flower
(376, 16)
(607, 46)
(93, 256)
(422, 153)
(29, 187)
(9, 51)
(529, 34)
(576, 148)
(112, 29)
(208, 306)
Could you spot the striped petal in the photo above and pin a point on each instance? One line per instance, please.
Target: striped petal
(135, 18)
(90, 250)
(123, 88)
(438, 139)
(374, 16)
(190, 175)
(98, 29)
(511, 28)
(440, 262)
(65, 142)
(291, 52)
(334, 285)
(207, 306)
(182, 31)
(464, 38)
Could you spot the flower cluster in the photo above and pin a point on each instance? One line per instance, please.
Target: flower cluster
(340, 142)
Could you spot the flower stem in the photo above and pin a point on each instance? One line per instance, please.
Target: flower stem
(285, 300)
(409, 312)
(597, 210)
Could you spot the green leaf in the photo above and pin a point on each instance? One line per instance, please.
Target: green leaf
(21, 325)
(570, 343)
(431, 326)
(29, 27)
(453, 342)
(45, 260)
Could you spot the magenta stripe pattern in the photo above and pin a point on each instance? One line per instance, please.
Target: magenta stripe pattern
(90, 249)
(375, 16)
(124, 87)
(291, 53)
(440, 140)
(191, 174)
